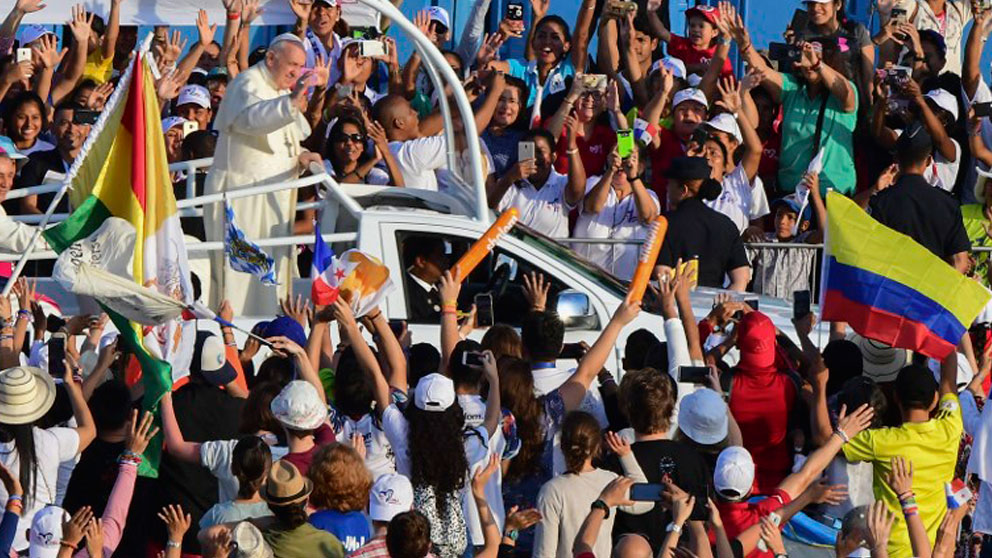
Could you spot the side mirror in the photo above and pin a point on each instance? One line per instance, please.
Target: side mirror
(575, 310)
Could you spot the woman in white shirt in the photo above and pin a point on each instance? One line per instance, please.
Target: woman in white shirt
(617, 205)
(565, 500)
(28, 393)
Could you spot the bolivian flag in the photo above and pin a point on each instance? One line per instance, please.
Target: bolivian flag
(124, 173)
(891, 289)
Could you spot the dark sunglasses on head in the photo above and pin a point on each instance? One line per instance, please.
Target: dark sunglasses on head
(357, 138)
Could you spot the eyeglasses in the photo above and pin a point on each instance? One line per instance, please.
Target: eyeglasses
(354, 138)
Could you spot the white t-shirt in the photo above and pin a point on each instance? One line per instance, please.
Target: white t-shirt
(419, 158)
(216, 456)
(943, 173)
(618, 219)
(474, 409)
(52, 446)
(379, 457)
(544, 210)
(735, 199)
(375, 177)
(547, 380)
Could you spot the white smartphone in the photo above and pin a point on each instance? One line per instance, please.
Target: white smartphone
(23, 54)
(525, 150)
(189, 127)
(371, 48)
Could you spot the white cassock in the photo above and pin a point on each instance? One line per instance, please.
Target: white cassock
(260, 130)
(16, 236)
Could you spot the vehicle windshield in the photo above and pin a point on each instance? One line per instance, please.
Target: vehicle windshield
(570, 258)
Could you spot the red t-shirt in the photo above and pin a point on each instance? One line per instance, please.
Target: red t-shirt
(321, 437)
(593, 150)
(681, 48)
(668, 148)
(738, 516)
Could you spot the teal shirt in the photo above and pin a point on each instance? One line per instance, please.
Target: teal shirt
(800, 113)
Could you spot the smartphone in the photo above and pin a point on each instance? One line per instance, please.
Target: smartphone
(472, 358)
(56, 355)
(85, 117)
(645, 492)
(899, 15)
(369, 49)
(699, 136)
(23, 55)
(515, 11)
(54, 324)
(484, 310)
(982, 109)
(398, 327)
(525, 151)
(591, 82)
(801, 301)
(694, 374)
(784, 54)
(625, 143)
(189, 127)
(898, 76)
(619, 8)
(800, 19)
(572, 350)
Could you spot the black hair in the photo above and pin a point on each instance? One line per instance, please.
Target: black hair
(276, 369)
(256, 414)
(336, 131)
(257, 55)
(656, 356)
(68, 104)
(23, 437)
(23, 98)
(199, 145)
(290, 516)
(464, 376)
(635, 351)
(420, 246)
(250, 463)
(535, 133)
(844, 360)
(424, 359)
(859, 391)
(110, 405)
(353, 390)
(710, 189)
(194, 281)
(915, 387)
(408, 535)
(523, 91)
(558, 20)
(436, 449)
(543, 334)
(446, 52)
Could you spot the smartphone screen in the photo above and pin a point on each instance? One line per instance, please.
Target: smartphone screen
(572, 350)
(645, 492)
(515, 11)
(56, 354)
(982, 109)
(470, 358)
(694, 374)
(801, 301)
(484, 310)
(625, 143)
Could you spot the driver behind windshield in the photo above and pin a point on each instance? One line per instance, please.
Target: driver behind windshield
(426, 261)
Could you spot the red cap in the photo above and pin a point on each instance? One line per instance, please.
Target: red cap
(756, 340)
(711, 13)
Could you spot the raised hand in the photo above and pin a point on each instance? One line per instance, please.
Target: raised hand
(517, 519)
(250, 12)
(139, 434)
(880, 521)
(617, 493)
(481, 477)
(450, 287)
(536, 291)
(422, 21)
(174, 46)
(617, 444)
(489, 49)
(301, 9)
(98, 97)
(81, 24)
(204, 28)
(296, 309)
(94, 537)
(285, 346)
(48, 52)
(176, 522)
(539, 8)
(900, 478)
(857, 421)
(74, 529)
(322, 71)
(29, 6)
(772, 536)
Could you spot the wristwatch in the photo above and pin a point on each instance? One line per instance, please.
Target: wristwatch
(673, 528)
(512, 534)
(601, 505)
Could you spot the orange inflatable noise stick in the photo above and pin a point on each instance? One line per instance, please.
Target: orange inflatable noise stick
(647, 258)
(486, 243)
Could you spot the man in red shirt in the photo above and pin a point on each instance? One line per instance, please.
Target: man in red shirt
(734, 477)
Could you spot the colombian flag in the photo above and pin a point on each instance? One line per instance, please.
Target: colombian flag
(891, 289)
(124, 173)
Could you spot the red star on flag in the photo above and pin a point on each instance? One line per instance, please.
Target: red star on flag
(339, 274)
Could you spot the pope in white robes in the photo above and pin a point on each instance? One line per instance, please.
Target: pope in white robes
(260, 124)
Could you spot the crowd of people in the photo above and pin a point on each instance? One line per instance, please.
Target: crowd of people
(720, 435)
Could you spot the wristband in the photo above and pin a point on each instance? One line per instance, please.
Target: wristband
(816, 67)
(601, 505)
(173, 544)
(13, 497)
(377, 315)
(73, 546)
(572, 151)
(673, 528)
(233, 16)
(843, 435)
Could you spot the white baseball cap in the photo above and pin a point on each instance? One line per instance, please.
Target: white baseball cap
(690, 94)
(171, 122)
(674, 65)
(298, 406)
(727, 124)
(194, 95)
(435, 392)
(703, 416)
(440, 15)
(392, 494)
(32, 32)
(944, 100)
(249, 542)
(46, 532)
(734, 474)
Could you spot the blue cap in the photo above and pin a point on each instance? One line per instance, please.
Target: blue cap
(793, 203)
(8, 148)
(284, 326)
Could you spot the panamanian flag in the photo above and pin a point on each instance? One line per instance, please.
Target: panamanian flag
(326, 272)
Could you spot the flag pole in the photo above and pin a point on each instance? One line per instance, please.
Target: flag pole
(115, 98)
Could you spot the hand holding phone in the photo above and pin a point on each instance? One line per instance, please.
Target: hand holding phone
(56, 355)
(801, 302)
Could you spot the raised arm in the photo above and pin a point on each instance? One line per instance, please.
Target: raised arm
(979, 150)
(556, 124)
(837, 84)
(174, 442)
(949, 374)
(658, 29)
(286, 348)
(576, 170)
(81, 27)
(85, 426)
(113, 30)
(366, 359)
(389, 346)
(731, 98)
(971, 73)
(582, 34)
(941, 141)
(595, 200)
(538, 9)
(615, 494)
(490, 531)
(608, 49)
(494, 413)
(574, 389)
(449, 289)
(206, 37)
(8, 30)
(735, 26)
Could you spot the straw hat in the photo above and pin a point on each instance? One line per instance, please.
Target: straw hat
(882, 363)
(26, 394)
(285, 485)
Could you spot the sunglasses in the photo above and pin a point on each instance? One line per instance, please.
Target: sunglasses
(355, 138)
